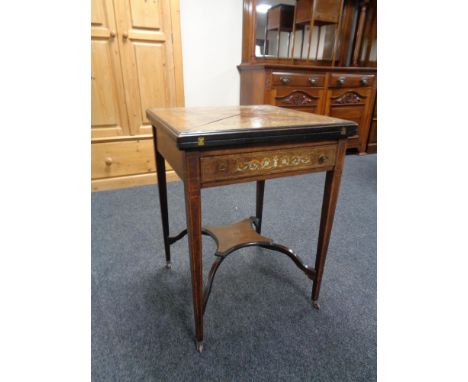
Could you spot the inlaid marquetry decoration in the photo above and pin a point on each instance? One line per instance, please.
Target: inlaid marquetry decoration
(298, 98)
(273, 162)
(266, 162)
(348, 98)
(202, 120)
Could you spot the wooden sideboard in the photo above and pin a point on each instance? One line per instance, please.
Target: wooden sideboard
(346, 93)
(325, 63)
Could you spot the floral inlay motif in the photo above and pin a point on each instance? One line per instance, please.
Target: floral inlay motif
(270, 163)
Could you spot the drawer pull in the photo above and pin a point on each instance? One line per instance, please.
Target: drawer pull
(284, 80)
(364, 81)
(341, 80)
(313, 80)
(322, 159)
(112, 34)
(108, 161)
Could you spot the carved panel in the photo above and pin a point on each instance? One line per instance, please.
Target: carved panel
(348, 98)
(243, 165)
(298, 98)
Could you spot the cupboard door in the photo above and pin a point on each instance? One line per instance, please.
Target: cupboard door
(108, 110)
(152, 70)
(352, 104)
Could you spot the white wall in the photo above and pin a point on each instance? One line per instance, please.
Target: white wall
(211, 51)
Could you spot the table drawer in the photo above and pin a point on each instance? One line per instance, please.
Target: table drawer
(250, 164)
(338, 80)
(298, 79)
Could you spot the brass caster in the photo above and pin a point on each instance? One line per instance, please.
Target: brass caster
(315, 304)
(168, 265)
(199, 346)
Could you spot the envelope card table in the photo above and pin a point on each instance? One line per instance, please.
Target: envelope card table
(216, 146)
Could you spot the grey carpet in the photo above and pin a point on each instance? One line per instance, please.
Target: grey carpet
(259, 323)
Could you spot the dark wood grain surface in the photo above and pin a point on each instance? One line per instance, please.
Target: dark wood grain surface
(238, 125)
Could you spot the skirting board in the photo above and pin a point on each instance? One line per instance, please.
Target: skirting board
(129, 181)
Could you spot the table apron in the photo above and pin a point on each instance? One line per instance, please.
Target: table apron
(271, 163)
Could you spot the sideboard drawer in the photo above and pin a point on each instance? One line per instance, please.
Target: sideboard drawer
(244, 165)
(298, 79)
(339, 80)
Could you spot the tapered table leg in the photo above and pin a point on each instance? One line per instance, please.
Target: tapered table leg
(193, 210)
(330, 197)
(162, 187)
(259, 204)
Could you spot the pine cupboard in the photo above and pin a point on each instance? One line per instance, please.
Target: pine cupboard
(136, 63)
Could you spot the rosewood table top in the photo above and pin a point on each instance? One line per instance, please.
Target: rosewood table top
(238, 125)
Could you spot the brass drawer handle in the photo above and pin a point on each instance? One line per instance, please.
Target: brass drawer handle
(341, 80)
(313, 80)
(322, 159)
(364, 81)
(284, 80)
